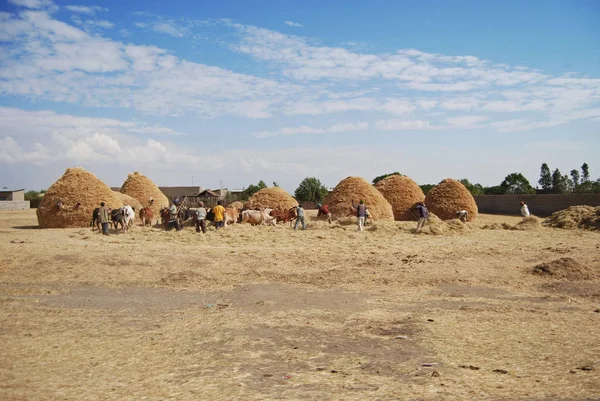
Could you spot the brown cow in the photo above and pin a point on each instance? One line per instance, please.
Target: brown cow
(231, 215)
(285, 215)
(146, 216)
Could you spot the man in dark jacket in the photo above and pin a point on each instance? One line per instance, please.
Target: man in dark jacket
(104, 218)
(423, 214)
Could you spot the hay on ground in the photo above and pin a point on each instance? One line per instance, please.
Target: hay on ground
(355, 189)
(435, 226)
(564, 268)
(273, 197)
(402, 193)
(76, 185)
(575, 217)
(128, 200)
(528, 224)
(142, 188)
(448, 197)
(237, 204)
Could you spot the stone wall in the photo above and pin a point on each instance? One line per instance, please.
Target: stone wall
(539, 205)
(14, 205)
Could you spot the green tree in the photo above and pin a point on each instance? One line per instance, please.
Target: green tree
(426, 188)
(575, 180)
(545, 180)
(34, 198)
(495, 190)
(381, 177)
(311, 190)
(474, 189)
(252, 189)
(559, 182)
(585, 173)
(516, 183)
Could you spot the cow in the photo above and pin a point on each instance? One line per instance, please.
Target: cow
(231, 215)
(146, 216)
(95, 222)
(118, 217)
(129, 216)
(168, 221)
(285, 215)
(257, 217)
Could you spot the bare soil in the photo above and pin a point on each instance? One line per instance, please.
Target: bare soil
(272, 313)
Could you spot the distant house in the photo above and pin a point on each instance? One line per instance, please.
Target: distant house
(180, 192)
(13, 199)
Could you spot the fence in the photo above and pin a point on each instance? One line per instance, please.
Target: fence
(539, 205)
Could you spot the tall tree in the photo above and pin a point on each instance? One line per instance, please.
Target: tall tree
(545, 178)
(252, 189)
(311, 190)
(559, 182)
(474, 189)
(585, 173)
(426, 188)
(516, 183)
(381, 177)
(575, 180)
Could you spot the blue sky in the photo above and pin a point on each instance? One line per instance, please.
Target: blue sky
(233, 92)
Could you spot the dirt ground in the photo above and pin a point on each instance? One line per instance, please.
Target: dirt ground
(272, 313)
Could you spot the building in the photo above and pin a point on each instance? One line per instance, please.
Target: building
(180, 192)
(13, 200)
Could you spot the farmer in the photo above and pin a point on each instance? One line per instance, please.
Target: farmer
(219, 212)
(462, 215)
(300, 218)
(324, 211)
(423, 215)
(524, 210)
(201, 218)
(103, 217)
(361, 214)
(173, 211)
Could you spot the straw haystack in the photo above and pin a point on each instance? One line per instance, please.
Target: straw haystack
(128, 200)
(575, 217)
(354, 189)
(237, 204)
(448, 197)
(58, 208)
(402, 193)
(142, 188)
(273, 198)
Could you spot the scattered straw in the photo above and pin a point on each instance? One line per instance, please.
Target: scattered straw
(356, 189)
(273, 198)
(564, 268)
(575, 217)
(142, 188)
(448, 197)
(402, 193)
(76, 185)
(237, 204)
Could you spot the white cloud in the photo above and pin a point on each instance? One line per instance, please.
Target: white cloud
(294, 24)
(349, 127)
(169, 28)
(90, 10)
(33, 4)
(467, 121)
(402, 125)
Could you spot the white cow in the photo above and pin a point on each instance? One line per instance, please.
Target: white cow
(258, 217)
(129, 217)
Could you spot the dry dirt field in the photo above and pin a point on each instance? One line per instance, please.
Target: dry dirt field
(327, 313)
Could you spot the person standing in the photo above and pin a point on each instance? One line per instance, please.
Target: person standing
(300, 217)
(103, 217)
(201, 218)
(524, 210)
(361, 214)
(423, 214)
(324, 211)
(219, 212)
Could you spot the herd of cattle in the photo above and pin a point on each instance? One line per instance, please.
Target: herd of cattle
(125, 217)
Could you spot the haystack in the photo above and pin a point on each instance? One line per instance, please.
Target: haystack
(237, 204)
(354, 189)
(128, 200)
(58, 208)
(402, 193)
(575, 217)
(142, 188)
(448, 197)
(273, 198)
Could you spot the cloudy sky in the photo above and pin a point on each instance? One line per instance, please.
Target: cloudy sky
(229, 92)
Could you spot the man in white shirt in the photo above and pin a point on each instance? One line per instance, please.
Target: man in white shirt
(524, 210)
(462, 215)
